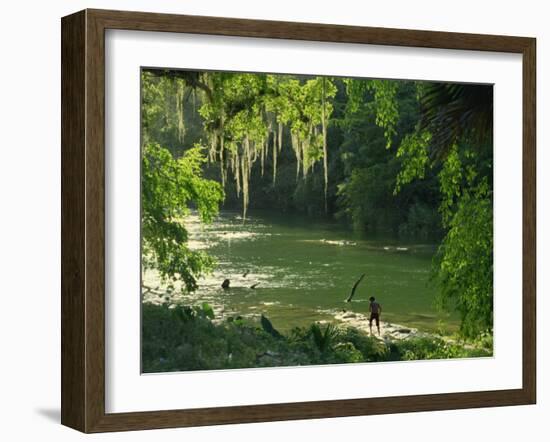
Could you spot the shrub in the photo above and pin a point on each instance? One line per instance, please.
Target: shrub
(185, 338)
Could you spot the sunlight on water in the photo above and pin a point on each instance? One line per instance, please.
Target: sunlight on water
(296, 271)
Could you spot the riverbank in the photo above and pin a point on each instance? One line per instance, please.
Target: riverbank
(183, 338)
(388, 331)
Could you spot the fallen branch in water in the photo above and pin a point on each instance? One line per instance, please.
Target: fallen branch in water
(146, 289)
(354, 288)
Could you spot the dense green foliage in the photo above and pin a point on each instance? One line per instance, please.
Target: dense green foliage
(405, 158)
(454, 136)
(464, 263)
(169, 187)
(372, 123)
(182, 338)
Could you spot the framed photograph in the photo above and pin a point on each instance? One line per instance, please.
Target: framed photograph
(269, 220)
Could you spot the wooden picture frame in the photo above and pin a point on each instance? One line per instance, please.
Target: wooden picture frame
(83, 218)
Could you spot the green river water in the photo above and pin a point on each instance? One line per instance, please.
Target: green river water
(305, 269)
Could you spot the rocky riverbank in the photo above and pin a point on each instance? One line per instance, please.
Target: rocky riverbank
(388, 331)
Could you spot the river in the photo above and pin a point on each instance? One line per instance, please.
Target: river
(304, 270)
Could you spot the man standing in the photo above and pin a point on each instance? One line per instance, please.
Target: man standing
(375, 309)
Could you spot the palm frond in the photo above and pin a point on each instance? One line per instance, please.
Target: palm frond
(452, 111)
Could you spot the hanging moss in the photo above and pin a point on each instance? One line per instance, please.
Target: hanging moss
(305, 156)
(280, 137)
(297, 151)
(180, 90)
(236, 172)
(244, 171)
(262, 158)
(223, 167)
(213, 147)
(274, 159)
(325, 150)
(257, 108)
(246, 162)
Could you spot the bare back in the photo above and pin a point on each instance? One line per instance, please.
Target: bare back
(375, 307)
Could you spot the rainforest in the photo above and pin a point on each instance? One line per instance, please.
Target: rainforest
(305, 220)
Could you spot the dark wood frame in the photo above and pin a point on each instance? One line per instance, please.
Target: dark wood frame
(83, 215)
